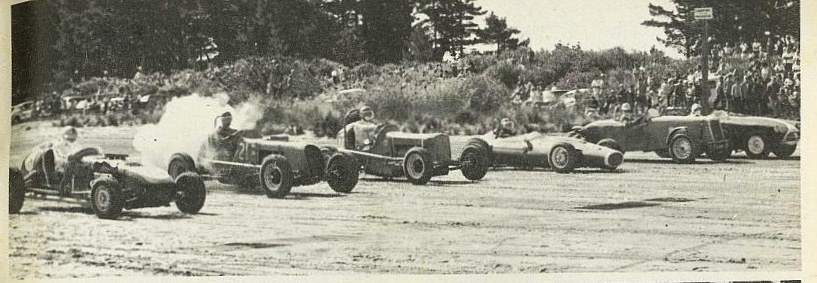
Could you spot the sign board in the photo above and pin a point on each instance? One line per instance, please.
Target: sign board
(703, 13)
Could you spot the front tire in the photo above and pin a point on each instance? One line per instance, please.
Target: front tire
(475, 162)
(17, 191)
(275, 176)
(106, 199)
(192, 193)
(756, 147)
(682, 149)
(342, 172)
(563, 158)
(417, 166)
(784, 151)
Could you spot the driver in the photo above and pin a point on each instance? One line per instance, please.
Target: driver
(223, 139)
(695, 110)
(61, 147)
(505, 129)
(627, 116)
(365, 127)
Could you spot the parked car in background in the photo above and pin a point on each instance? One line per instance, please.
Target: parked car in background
(22, 112)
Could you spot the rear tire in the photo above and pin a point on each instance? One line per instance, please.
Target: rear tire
(342, 172)
(106, 199)
(193, 193)
(17, 191)
(683, 149)
(611, 144)
(275, 176)
(474, 162)
(563, 158)
(417, 166)
(756, 146)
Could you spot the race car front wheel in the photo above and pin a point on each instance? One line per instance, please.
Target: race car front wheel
(418, 166)
(756, 147)
(276, 176)
(563, 158)
(342, 172)
(191, 193)
(17, 191)
(106, 199)
(783, 151)
(180, 163)
(682, 149)
(475, 162)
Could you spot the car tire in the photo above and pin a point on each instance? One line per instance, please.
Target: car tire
(756, 146)
(106, 199)
(417, 166)
(192, 192)
(180, 163)
(783, 151)
(682, 149)
(663, 153)
(474, 162)
(342, 172)
(611, 144)
(275, 176)
(17, 191)
(563, 158)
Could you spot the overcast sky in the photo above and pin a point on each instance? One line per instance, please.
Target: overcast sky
(596, 24)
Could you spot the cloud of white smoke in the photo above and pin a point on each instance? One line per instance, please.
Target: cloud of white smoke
(186, 124)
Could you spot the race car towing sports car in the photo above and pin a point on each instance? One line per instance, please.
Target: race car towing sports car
(273, 163)
(110, 182)
(560, 153)
(418, 157)
(682, 138)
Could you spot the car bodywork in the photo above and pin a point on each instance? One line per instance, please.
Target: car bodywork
(758, 136)
(416, 156)
(22, 112)
(683, 138)
(540, 150)
(291, 164)
(110, 182)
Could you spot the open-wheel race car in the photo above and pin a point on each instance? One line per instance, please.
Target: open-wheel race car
(272, 163)
(682, 138)
(560, 153)
(109, 181)
(390, 153)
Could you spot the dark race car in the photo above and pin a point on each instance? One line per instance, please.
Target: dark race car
(273, 163)
(682, 138)
(758, 136)
(560, 153)
(109, 182)
(418, 157)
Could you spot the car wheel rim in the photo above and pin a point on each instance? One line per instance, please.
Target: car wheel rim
(682, 148)
(416, 166)
(470, 160)
(272, 177)
(103, 199)
(756, 144)
(560, 157)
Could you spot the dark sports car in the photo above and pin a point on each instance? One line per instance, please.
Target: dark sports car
(109, 182)
(560, 153)
(682, 138)
(758, 136)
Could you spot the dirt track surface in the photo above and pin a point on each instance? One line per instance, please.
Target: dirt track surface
(649, 215)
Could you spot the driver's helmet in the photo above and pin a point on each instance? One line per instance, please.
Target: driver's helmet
(626, 107)
(695, 109)
(506, 123)
(69, 134)
(366, 113)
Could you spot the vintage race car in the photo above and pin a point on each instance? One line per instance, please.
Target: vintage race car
(109, 182)
(560, 153)
(682, 138)
(418, 157)
(757, 136)
(273, 163)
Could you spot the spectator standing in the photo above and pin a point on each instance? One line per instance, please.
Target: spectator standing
(773, 93)
(756, 48)
(598, 86)
(737, 95)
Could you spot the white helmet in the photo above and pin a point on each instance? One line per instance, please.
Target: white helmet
(626, 107)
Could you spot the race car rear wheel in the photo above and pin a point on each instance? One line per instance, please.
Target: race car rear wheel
(342, 172)
(474, 162)
(783, 151)
(106, 199)
(683, 149)
(17, 191)
(180, 163)
(417, 166)
(275, 176)
(191, 193)
(756, 146)
(611, 144)
(563, 158)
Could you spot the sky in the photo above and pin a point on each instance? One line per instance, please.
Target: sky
(595, 24)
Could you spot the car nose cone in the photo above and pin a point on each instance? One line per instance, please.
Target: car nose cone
(614, 159)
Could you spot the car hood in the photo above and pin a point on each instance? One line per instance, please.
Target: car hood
(777, 124)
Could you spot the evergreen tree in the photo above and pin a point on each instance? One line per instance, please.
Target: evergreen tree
(497, 32)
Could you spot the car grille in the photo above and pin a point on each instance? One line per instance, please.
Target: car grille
(716, 130)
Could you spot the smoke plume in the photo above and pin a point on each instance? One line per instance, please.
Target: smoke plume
(186, 124)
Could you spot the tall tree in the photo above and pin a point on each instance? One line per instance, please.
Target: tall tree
(496, 31)
(386, 29)
(734, 21)
(452, 24)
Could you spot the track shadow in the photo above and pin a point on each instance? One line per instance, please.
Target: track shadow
(770, 157)
(70, 209)
(620, 205)
(432, 182)
(305, 196)
(700, 161)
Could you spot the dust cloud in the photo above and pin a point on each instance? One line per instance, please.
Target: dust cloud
(186, 124)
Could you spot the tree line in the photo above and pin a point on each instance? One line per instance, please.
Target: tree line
(58, 42)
